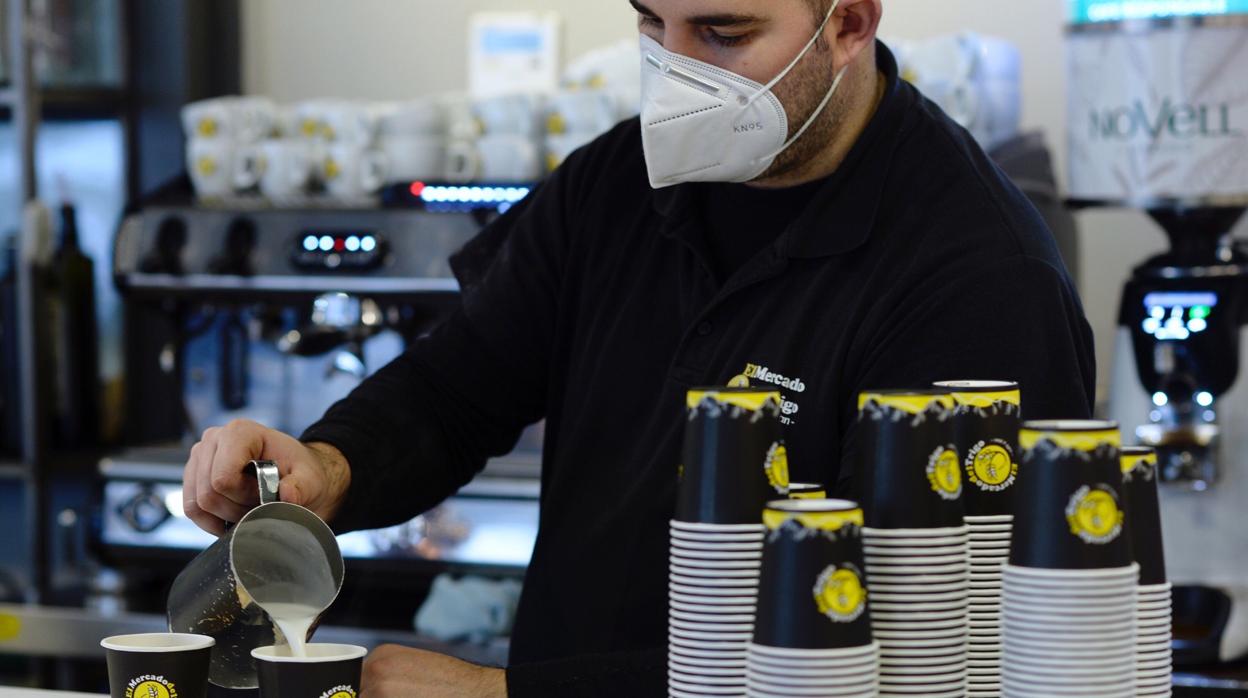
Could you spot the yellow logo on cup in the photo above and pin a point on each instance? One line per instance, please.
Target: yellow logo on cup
(556, 124)
(1094, 515)
(332, 169)
(207, 128)
(339, 692)
(991, 467)
(944, 474)
(206, 166)
(777, 467)
(150, 686)
(840, 594)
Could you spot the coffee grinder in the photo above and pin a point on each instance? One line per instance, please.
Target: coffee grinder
(1158, 122)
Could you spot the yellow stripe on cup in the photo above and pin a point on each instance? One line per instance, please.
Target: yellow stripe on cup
(818, 520)
(1133, 459)
(1087, 441)
(808, 494)
(911, 403)
(1012, 397)
(745, 399)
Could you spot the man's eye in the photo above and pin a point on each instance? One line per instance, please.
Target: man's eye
(648, 21)
(726, 39)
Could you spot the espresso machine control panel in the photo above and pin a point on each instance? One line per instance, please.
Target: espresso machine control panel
(350, 251)
(194, 251)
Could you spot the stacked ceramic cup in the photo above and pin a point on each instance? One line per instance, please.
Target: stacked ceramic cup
(812, 633)
(1152, 610)
(915, 542)
(734, 463)
(1068, 612)
(985, 431)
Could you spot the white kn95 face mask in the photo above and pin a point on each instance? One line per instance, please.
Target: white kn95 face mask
(701, 123)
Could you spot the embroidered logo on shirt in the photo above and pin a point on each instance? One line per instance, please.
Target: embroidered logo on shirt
(756, 375)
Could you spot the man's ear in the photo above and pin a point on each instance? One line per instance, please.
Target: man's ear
(852, 29)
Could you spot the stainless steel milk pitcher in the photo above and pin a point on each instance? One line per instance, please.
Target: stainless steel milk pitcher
(279, 553)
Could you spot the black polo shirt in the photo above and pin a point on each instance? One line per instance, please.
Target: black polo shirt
(594, 304)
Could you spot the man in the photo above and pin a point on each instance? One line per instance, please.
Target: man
(874, 246)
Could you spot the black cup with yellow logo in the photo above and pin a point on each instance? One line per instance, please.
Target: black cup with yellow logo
(734, 456)
(158, 665)
(1139, 483)
(985, 431)
(812, 590)
(907, 468)
(1069, 505)
(325, 671)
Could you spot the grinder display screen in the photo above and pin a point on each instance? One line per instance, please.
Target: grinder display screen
(1177, 315)
(1088, 11)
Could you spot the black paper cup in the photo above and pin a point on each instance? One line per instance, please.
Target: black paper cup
(1069, 501)
(734, 457)
(985, 431)
(1139, 482)
(905, 461)
(162, 665)
(812, 587)
(332, 671)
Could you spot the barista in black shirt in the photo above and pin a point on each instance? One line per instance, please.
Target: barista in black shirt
(881, 249)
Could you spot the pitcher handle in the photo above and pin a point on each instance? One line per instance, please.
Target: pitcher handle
(268, 477)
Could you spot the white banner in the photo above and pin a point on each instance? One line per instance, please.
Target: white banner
(1159, 114)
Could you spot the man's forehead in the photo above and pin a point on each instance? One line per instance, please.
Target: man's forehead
(693, 9)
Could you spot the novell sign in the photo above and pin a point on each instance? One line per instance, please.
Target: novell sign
(1158, 112)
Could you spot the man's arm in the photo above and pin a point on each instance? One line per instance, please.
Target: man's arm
(421, 427)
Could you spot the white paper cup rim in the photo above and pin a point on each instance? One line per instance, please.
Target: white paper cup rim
(157, 642)
(317, 653)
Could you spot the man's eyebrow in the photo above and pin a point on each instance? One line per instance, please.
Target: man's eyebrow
(642, 9)
(723, 19)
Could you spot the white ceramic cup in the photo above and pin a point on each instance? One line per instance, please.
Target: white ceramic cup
(352, 172)
(414, 118)
(515, 114)
(349, 122)
(580, 111)
(495, 159)
(211, 166)
(283, 168)
(414, 158)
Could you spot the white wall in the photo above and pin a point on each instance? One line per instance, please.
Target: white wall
(295, 49)
(389, 49)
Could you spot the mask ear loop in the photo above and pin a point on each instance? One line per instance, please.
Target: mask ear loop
(810, 44)
(813, 117)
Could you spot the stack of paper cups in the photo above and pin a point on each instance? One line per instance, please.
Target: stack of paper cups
(734, 463)
(985, 430)
(1153, 611)
(915, 542)
(1069, 602)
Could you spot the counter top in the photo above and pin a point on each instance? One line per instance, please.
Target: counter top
(8, 692)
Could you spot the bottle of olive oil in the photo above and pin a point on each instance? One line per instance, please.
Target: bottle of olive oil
(75, 344)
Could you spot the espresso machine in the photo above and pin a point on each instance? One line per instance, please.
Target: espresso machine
(1158, 123)
(273, 315)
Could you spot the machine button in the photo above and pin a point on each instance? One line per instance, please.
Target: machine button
(145, 511)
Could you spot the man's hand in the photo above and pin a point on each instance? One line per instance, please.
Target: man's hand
(216, 490)
(391, 671)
